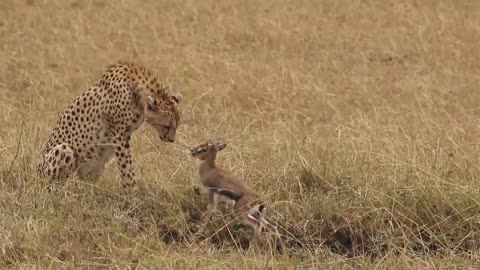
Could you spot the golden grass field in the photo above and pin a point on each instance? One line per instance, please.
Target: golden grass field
(358, 120)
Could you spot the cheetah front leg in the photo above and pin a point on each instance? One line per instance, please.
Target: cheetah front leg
(95, 168)
(91, 171)
(125, 166)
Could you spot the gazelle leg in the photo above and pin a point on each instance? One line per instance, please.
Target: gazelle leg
(272, 228)
(257, 228)
(231, 206)
(268, 225)
(211, 208)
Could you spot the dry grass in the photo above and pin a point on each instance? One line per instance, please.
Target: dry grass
(358, 119)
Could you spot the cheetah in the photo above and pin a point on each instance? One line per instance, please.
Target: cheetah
(99, 124)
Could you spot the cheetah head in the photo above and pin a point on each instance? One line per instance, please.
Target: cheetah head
(162, 114)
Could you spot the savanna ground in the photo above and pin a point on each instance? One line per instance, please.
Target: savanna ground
(358, 120)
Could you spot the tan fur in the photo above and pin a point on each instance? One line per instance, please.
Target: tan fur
(99, 123)
(218, 182)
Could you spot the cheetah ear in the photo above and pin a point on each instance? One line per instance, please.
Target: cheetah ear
(151, 102)
(136, 97)
(177, 98)
(135, 94)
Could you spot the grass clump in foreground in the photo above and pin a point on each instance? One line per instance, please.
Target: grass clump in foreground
(326, 214)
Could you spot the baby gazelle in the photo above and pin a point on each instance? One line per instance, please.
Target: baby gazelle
(224, 187)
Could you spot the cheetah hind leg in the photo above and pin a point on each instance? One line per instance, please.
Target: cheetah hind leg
(59, 163)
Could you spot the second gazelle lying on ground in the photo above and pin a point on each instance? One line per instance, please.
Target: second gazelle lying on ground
(224, 187)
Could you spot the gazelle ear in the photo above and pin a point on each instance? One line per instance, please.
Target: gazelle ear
(220, 145)
(177, 98)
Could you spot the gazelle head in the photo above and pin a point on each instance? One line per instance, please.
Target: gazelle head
(204, 150)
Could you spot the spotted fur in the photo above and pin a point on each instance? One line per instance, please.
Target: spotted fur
(99, 123)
